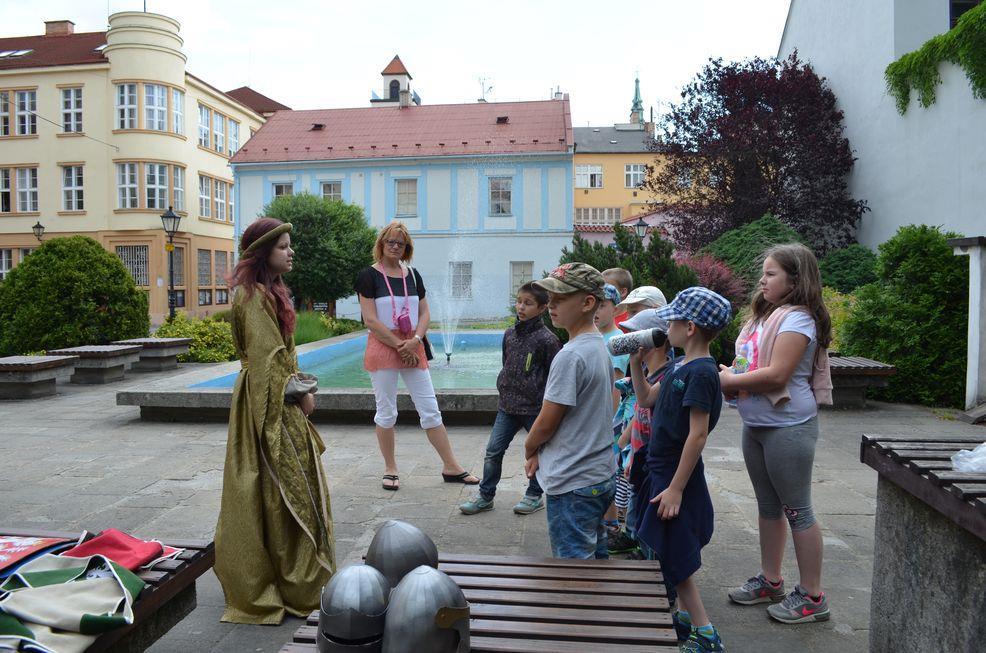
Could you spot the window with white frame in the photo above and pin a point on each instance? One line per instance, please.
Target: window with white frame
(4, 113)
(460, 279)
(222, 296)
(27, 120)
(219, 132)
(126, 106)
(232, 214)
(126, 186)
(177, 111)
(234, 136)
(222, 263)
(178, 189)
(135, 259)
(6, 205)
(598, 216)
(220, 200)
(588, 176)
(204, 130)
(634, 173)
(205, 267)
(520, 273)
(283, 189)
(205, 196)
(155, 107)
(6, 262)
(501, 195)
(407, 196)
(332, 190)
(179, 253)
(27, 190)
(26, 251)
(156, 185)
(71, 110)
(72, 199)
(205, 297)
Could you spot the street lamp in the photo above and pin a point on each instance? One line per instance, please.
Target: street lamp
(39, 230)
(170, 220)
(640, 226)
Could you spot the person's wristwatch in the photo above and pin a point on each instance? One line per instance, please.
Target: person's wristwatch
(417, 337)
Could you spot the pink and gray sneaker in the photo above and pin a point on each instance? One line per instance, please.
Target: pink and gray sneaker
(799, 608)
(758, 590)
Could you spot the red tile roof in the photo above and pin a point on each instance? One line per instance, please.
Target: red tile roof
(67, 50)
(415, 131)
(396, 67)
(256, 101)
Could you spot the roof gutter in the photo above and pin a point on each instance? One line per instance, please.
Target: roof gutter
(443, 157)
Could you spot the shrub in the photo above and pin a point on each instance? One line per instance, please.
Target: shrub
(716, 275)
(915, 317)
(340, 326)
(839, 305)
(69, 292)
(848, 268)
(723, 348)
(222, 316)
(212, 340)
(742, 249)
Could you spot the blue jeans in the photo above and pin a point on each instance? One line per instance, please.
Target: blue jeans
(575, 521)
(504, 429)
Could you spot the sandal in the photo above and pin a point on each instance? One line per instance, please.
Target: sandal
(459, 478)
(395, 482)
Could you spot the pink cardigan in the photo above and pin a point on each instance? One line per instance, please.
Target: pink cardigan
(821, 376)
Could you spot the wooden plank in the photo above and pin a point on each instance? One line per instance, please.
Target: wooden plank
(583, 633)
(502, 645)
(477, 559)
(949, 477)
(153, 577)
(968, 490)
(618, 617)
(925, 466)
(551, 573)
(909, 447)
(34, 363)
(584, 587)
(896, 439)
(560, 600)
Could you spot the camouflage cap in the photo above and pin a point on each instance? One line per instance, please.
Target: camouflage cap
(574, 277)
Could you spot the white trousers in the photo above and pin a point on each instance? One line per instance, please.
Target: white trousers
(419, 386)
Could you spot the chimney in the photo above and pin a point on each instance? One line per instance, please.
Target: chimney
(59, 28)
(405, 98)
(559, 95)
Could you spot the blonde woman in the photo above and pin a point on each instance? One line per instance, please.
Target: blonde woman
(395, 310)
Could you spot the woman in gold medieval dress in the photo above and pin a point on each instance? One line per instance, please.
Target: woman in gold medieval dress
(274, 543)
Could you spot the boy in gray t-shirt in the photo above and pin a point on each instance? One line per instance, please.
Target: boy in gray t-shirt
(570, 445)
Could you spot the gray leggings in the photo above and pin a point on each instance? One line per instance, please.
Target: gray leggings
(779, 461)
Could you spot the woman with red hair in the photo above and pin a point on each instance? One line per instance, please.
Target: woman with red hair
(274, 543)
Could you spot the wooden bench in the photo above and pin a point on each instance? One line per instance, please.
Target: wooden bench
(929, 545)
(157, 354)
(100, 363)
(29, 377)
(552, 605)
(168, 597)
(853, 375)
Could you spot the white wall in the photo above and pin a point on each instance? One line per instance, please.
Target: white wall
(927, 166)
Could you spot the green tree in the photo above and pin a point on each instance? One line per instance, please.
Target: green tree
(742, 249)
(332, 243)
(69, 292)
(848, 268)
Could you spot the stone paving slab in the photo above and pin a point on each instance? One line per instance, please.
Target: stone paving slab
(77, 460)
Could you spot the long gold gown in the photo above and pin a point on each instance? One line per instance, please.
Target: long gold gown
(274, 542)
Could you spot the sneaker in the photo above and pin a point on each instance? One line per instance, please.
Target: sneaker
(636, 554)
(757, 590)
(477, 503)
(620, 543)
(682, 627)
(697, 643)
(799, 608)
(529, 505)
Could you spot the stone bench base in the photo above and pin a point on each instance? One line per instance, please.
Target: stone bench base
(157, 360)
(32, 384)
(96, 375)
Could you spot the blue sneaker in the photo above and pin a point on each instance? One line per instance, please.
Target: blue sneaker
(698, 643)
(682, 627)
(529, 505)
(477, 503)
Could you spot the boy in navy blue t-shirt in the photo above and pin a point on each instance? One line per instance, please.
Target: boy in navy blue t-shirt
(679, 520)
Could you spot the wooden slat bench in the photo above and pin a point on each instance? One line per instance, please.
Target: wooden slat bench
(100, 363)
(29, 377)
(157, 354)
(853, 375)
(930, 534)
(551, 605)
(168, 597)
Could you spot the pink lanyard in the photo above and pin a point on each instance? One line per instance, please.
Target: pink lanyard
(393, 302)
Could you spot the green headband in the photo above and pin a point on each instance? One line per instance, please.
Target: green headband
(273, 234)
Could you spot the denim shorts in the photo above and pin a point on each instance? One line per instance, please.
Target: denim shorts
(575, 521)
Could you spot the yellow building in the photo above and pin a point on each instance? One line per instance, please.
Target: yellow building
(100, 133)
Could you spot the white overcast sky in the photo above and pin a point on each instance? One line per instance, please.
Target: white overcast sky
(312, 54)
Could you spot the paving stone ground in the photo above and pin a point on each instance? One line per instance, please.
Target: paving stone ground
(79, 461)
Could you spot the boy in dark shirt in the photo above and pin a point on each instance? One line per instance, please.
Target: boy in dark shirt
(528, 349)
(679, 520)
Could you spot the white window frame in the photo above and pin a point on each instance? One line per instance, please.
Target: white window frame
(205, 125)
(220, 190)
(634, 174)
(178, 111)
(6, 262)
(26, 106)
(520, 273)
(5, 179)
(229, 202)
(26, 251)
(219, 132)
(155, 107)
(72, 110)
(286, 188)
(27, 190)
(222, 296)
(127, 186)
(330, 194)
(588, 175)
(126, 106)
(460, 279)
(178, 188)
(156, 185)
(136, 259)
(72, 193)
(501, 196)
(406, 197)
(234, 137)
(205, 196)
(601, 216)
(4, 113)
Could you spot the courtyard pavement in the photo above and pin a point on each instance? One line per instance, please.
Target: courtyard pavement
(78, 461)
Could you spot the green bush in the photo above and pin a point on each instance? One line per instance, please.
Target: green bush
(222, 316)
(742, 249)
(915, 317)
(848, 268)
(340, 326)
(723, 348)
(840, 306)
(212, 340)
(69, 292)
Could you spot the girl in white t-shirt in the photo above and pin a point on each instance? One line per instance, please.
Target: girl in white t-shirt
(785, 342)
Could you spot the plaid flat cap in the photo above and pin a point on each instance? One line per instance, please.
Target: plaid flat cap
(705, 308)
(574, 277)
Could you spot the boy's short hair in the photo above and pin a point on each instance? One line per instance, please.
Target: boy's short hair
(708, 335)
(539, 294)
(620, 278)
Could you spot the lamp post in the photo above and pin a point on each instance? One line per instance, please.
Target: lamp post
(39, 230)
(640, 227)
(170, 220)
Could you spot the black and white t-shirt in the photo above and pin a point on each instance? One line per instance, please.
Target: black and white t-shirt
(370, 284)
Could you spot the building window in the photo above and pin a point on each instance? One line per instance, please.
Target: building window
(6, 262)
(204, 133)
(71, 110)
(958, 7)
(395, 89)
(332, 190)
(222, 262)
(156, 180)
(219, 131)
(126, 106)
(232, 214)
(178, 190)
(177, 111)
(501, 191)
(520, 273)
(634, 173)
(205, 297)
(27, 190)
(283, 189)
(205, 196)
(4, 113)
(205, 267)
(603, 217)
(179, 266)
(222, 296)
(220, 200)
(155, 107)
(407, 197)
(460, 279)
(134, 258)
(179, 298)
(684, 179)
(5, 203)
(588, 176)
(26, 251)
(72, 199)
(27, 120)
(126, 185)
(234, 136)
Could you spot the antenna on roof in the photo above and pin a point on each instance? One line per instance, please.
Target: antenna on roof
(484, 89)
